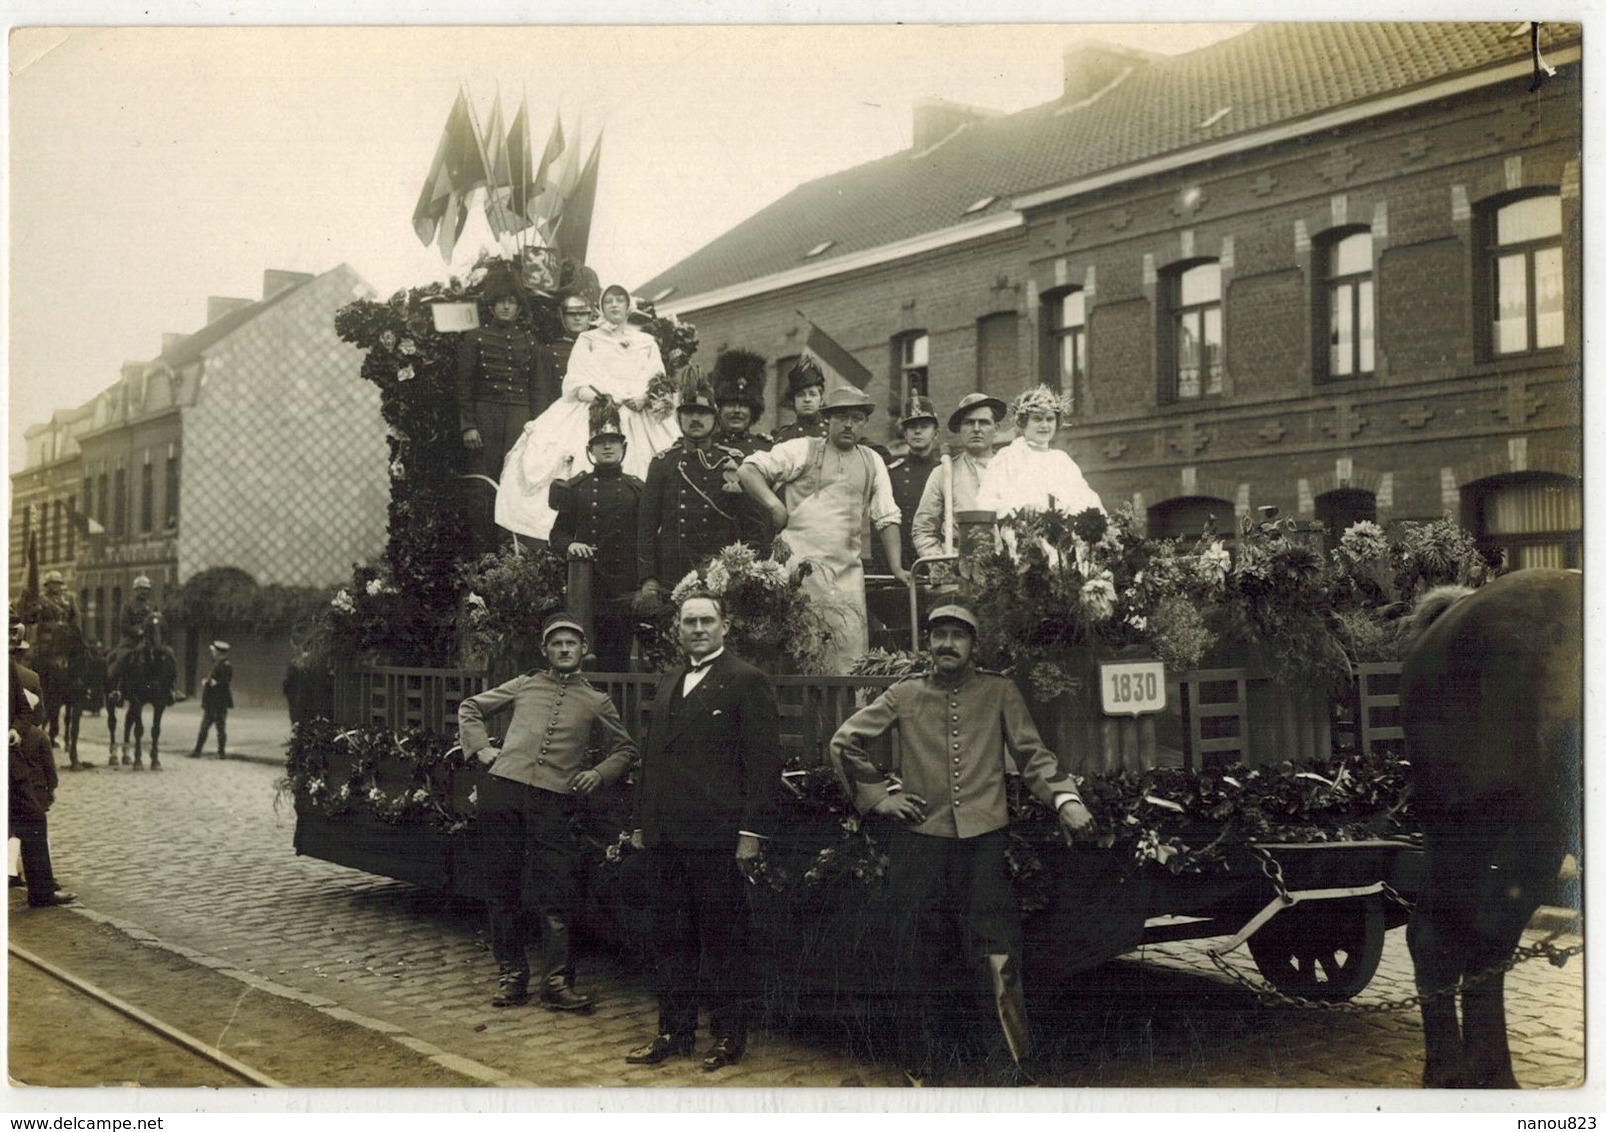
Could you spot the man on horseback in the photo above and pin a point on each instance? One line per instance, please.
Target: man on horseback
(59, 660)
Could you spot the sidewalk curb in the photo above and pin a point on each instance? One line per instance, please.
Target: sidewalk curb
(456, 1063)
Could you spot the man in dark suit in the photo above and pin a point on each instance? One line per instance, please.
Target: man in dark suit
(217, 697)
(706, 797)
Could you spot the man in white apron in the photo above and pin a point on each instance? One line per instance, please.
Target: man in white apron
(832, 486)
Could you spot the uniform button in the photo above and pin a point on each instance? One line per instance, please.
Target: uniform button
(956, 746)
(956, 775)
(956, 733)
(540, 762)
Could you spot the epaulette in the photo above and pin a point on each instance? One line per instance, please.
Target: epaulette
(896, 462)
(638, 484)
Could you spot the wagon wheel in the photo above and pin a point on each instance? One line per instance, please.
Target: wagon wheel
(1326, 950)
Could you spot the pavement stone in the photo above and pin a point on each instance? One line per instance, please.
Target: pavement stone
(200, 859)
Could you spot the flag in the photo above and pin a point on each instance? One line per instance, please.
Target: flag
(549, 156)
(458, 169)
(86, 524)
(573, 232)
(499, 181)
(521, 181)
(30, 587)
(833, 359)
(560, 182)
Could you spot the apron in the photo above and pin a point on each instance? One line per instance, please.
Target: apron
(826, 524)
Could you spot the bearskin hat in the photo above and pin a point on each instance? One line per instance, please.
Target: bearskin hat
(739, 376)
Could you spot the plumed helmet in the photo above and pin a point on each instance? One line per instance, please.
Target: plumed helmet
(919, 409)
(739, 377)
(604, 420)
(695, 392)
(806, 373)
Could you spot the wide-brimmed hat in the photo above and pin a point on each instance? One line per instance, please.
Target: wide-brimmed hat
(969, 401)
(846, 398)
(738, 377)
(803, 375)
(953, 613)
(919, 409)
(560, 621)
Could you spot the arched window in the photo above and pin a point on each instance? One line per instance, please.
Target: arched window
(1190, 516)
(1347, 291)
(1524, 275)
(1340, 510)
(1533, 518)
(1192, 332)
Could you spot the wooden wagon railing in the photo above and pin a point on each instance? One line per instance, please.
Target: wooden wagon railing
(1219, 716)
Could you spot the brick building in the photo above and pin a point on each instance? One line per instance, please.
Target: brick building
(251, 443)
(1332, 268)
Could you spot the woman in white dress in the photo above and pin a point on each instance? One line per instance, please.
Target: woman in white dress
(1031, 474)
(613, 360)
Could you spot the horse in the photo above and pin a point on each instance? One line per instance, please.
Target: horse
(62, 657)
(1491, 703)
(146, 674)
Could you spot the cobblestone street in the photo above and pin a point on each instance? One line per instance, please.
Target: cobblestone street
(198, 860)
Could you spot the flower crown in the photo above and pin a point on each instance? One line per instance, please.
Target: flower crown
(1040, 400)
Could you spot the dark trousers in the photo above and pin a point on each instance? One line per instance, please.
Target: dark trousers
(613, 633)
(700, 939)
(532, 856)
(36, 869)
(500, 424)
(946, 891)
(208, 718)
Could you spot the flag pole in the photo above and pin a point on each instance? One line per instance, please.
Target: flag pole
(479, 140)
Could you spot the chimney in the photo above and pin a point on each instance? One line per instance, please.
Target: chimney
(937, 118)
(1092, 66)
(217, 306)
(274, 281)
(170, 339)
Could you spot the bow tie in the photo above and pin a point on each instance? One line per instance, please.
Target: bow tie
(698, 665)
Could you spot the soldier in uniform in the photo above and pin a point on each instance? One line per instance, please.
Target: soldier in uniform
(908, 473)
(217, 697)
(597, 521)
(805, 393)
(132, 625)
(693, 506)
(575, 315)
(504, 379)
(738, 380)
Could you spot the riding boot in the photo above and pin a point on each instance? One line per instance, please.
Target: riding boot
(512, 986)
(1010, 1000)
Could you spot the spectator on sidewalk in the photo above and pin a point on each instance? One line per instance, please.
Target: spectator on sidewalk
(31, 777)
(527, 804)
(216, 700)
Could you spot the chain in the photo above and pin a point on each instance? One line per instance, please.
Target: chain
(1268, 994)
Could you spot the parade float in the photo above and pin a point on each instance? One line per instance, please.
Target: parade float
(1227, 701)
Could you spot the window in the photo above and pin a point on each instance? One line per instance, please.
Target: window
(998, 354)
(1192, 331)
(72, 526)
(1348, 294)
(1190, 516)
(1532, 518)
(910, 352)
(100, 613)
(101, 512)
(147, 493)
(1065, 352)
(120, 503)
(1338, 511)
(1525, 284)
(170, 490)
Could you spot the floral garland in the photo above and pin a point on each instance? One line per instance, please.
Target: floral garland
(1168, 819)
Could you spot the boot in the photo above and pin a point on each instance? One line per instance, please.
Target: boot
(1010, 1001)
(513, 988)
(558, 995)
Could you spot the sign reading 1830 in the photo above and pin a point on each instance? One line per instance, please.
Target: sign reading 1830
(1132, 687)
